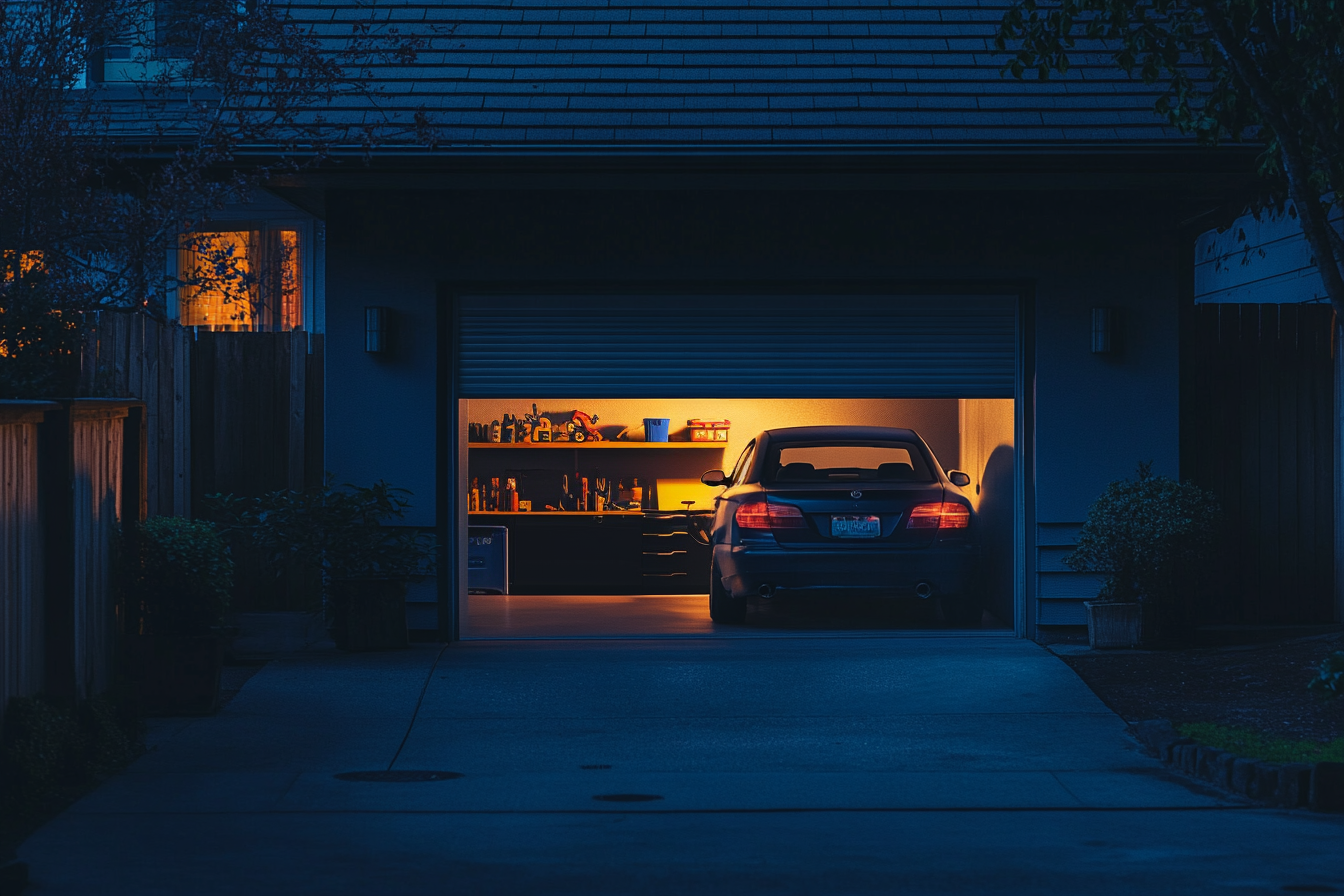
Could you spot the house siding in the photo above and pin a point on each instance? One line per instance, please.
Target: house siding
(1095, 416)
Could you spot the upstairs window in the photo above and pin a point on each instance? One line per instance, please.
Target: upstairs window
(241, 280)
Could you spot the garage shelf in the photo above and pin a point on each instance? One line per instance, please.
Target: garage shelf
(584, 446)
(535, 513)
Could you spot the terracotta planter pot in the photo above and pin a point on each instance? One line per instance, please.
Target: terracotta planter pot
(368, 614)
(175, 674)
(1114, 624)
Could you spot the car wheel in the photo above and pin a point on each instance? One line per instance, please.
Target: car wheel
(960, 610)
(723, 607)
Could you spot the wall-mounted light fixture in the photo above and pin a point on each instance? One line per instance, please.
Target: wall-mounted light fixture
(1104, 324)
(376, 319)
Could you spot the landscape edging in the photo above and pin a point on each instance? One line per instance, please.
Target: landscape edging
(1319, 787)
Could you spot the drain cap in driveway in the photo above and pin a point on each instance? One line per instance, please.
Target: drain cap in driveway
(627, 797)
(398, 776)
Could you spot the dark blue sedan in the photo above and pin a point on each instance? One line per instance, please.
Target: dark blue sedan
(830, 510)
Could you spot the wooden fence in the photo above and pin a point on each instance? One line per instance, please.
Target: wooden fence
(236, 413)
(257, 419)
(22, 634)
(256, 428)
(226, 412)
(1258, 430)
(135, 356)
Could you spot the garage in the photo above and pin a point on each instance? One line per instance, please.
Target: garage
(584, 419)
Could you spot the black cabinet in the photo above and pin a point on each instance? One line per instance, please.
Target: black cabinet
(570, 553)
(608, 553)
(671, 560)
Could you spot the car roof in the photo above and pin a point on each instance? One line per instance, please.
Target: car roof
(810, 433)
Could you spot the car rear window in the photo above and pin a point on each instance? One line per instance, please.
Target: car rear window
(847, 462)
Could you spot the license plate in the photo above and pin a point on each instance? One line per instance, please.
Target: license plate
(855, 527)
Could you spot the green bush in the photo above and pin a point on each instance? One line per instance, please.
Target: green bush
(341, 532)
(1152, 538)
(1146, 535)
(1329, 680)
(179, 577)
(49, 749)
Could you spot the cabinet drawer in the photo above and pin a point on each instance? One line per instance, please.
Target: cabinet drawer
(665, 561)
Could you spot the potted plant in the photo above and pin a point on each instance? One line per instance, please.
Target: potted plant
(1150, 536)
(177, 577)
(342, 533)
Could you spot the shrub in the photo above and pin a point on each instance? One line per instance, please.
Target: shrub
(49, 748)
(179, 577)
(340, 531)
(1329, 680)
(1151, 537)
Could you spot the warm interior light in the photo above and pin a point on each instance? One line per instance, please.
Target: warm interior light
(241, 280)
(939, 516)
(28, 261)
(763, 515)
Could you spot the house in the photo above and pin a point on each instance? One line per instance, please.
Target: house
(767, 213)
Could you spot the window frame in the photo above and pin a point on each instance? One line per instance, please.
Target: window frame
(307, 257)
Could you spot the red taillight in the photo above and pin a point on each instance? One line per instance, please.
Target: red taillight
(939, 516)
(761, 515)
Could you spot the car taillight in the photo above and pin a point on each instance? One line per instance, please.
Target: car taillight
(939, 516)
(761, 515)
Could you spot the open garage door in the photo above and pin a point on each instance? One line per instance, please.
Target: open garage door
(594, 537)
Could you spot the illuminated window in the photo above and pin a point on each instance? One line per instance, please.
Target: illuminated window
(241, 280)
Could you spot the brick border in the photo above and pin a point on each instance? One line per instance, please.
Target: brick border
(1318, 787)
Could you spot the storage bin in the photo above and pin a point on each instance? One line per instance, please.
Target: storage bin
(708, 430)
(655, 429)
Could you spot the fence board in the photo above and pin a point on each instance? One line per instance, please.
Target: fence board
(21, 617)
(1258, 432)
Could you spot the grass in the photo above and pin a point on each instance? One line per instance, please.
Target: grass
(1252, 744)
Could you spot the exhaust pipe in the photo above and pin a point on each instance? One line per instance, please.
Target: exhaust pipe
(766, 591)
(923, 591)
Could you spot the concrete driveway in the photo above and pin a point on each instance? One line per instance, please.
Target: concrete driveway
(916, 764)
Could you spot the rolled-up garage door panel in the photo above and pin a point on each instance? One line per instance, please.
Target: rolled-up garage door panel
(736, 346)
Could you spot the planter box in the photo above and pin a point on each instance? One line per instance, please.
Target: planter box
(175, 675)
(368, 614)
(1111, 625)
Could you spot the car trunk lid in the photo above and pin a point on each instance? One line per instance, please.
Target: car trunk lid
(840, 515)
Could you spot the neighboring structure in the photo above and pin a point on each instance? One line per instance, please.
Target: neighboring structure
(634, 202)
(1258, 261)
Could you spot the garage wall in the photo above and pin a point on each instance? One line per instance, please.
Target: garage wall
(1096, 416)
(986, 435)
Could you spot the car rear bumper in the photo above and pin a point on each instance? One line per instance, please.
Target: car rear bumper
(746, 569)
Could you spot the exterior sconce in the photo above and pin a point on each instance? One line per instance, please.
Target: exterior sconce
(376, 328)
(1104, 322)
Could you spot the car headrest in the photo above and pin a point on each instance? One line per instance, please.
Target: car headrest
(796, 471)
(895, 471)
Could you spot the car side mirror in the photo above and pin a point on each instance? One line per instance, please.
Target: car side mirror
(958, 478)
(714, 478)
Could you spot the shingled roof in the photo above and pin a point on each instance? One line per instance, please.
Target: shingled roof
(743, 72)
(754, 73)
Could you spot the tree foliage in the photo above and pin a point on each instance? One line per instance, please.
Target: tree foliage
(1265, 70)
(203, 101)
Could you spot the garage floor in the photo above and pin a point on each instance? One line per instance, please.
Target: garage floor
(573, 616)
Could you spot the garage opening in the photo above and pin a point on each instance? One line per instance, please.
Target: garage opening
(585, 426)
